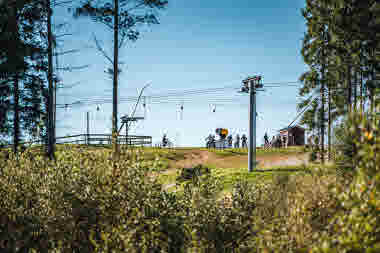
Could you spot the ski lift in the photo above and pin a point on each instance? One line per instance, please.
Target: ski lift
(181, 111)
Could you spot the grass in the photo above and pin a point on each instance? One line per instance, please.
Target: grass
(229, 170)
(259, 151)
(229, 176)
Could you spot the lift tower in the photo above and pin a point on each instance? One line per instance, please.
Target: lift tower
(251, 85)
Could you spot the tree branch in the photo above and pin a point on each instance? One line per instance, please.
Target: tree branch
(62, 35)
(66, 52)
(62, 3)
(101, 50)
(73, 68)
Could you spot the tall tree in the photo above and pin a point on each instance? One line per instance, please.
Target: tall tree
(50, 107)
(314, 52)
(21, 94)
(123, 18)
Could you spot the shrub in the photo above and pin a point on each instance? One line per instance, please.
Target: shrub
(215, 225)
(80, 203)
(85, 202)
(193, 173)
(293, 211)
(356, 225)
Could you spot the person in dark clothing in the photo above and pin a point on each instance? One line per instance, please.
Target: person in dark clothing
(208, 141)
(244, 141)
(212, 141)
(164, 141)
(229, 140)
(266, 139)
(237, 142)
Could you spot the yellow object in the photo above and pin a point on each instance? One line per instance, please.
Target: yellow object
(368, 135)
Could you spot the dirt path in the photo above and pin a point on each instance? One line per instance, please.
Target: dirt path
(195, 157)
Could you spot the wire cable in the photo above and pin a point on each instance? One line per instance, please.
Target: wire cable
(177, 94)
(305, 108)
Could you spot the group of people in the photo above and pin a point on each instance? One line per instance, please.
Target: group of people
(277, 141)
(211, 141)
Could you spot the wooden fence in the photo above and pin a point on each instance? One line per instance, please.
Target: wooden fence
(96, 139)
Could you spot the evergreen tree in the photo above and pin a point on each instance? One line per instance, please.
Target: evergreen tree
(20, 68)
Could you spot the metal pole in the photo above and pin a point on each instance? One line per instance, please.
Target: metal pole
(88, 128)
(252, 125)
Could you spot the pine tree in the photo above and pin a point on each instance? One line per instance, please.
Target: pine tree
(123, 18)
(20, 76)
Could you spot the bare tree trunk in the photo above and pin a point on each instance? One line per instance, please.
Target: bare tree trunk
(329, 123)
(50, 109)
(16, 121)
(349, 86)
(16, 94)
(323, 110)
(361, 93)
(115, 80)
(355, 89)
(323, 120)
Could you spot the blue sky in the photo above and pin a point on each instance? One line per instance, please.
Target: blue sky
(197, 45)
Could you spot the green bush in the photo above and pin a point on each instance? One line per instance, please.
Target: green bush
(356, 226)
(224, 225)
(192, 173)
(345, 146)
(293, 211)
(83, 202)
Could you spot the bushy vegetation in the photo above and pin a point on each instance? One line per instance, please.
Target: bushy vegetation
(192, 173)
(356, 226)
(85, 202)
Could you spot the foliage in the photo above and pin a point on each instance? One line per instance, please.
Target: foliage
(340, 48)
(218, 226)
(292, 211)
(79, 203)
(192, 173)
(356, 227)
(22, 64)
(82, 202)
(123, 17)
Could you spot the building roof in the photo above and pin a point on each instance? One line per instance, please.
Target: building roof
(292, 127)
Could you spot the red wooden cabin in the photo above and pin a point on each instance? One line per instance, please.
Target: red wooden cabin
(294, 134)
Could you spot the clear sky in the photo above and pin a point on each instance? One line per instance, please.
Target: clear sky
(198, 45)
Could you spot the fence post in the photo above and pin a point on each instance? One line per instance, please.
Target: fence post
(88, 128)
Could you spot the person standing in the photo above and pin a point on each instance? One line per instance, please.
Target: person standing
(208, 141)
(266, 139)
(213, 141)
(286, 140)
(164, 141)
(244, 141)
(229, 140)
(237, 142)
